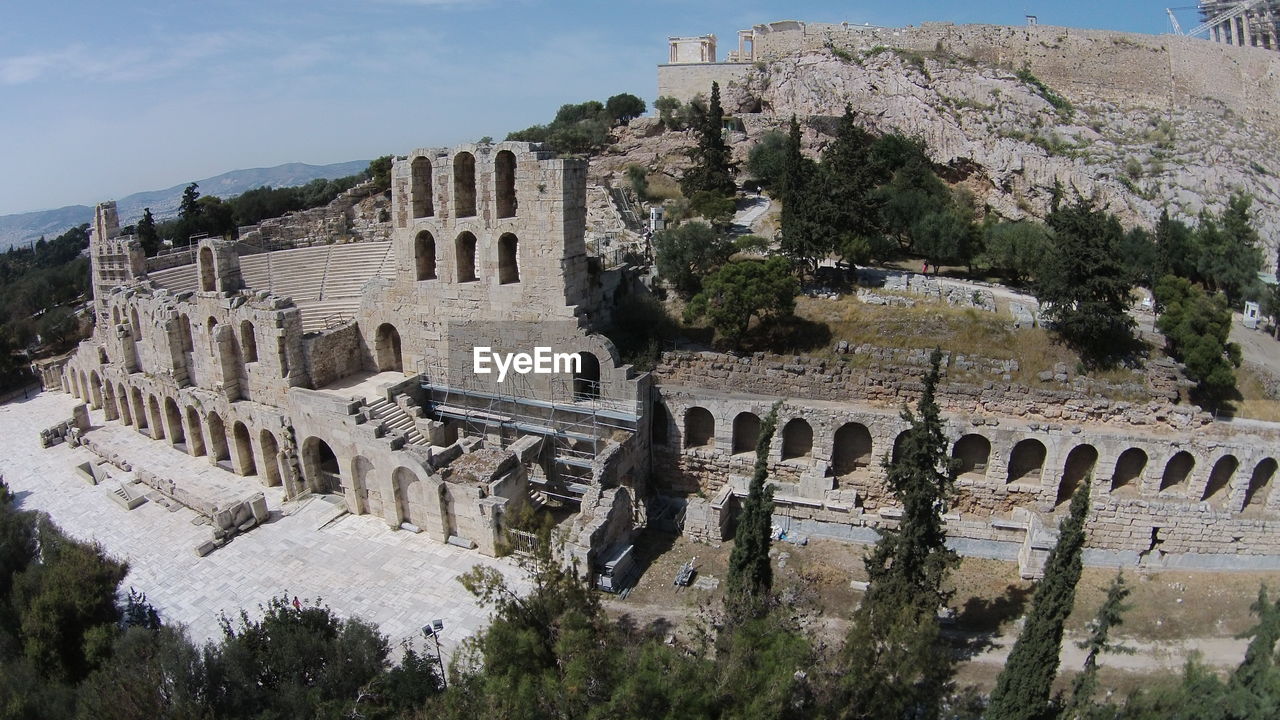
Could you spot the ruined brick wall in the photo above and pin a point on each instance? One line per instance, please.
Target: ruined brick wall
(891, 378)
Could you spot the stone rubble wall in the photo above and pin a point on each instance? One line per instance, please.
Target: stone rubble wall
(884, 377)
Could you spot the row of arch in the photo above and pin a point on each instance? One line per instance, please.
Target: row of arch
(196, 433)
(324, 473)
(465, 258)
(852, 449)
(422, 193)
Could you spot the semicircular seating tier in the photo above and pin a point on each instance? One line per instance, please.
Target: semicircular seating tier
(325, 281)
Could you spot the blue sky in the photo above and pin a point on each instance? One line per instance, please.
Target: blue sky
(102, 99)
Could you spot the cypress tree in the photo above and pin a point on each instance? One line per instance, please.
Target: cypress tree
(710, 171)
(1023, 688)
(147, 235)
(803, 235)
(910, 563)
(893, 663)
(1110, 615)
(750, 576)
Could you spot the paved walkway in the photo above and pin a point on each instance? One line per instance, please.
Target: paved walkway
(357, 565)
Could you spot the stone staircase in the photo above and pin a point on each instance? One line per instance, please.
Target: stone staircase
(396, 420)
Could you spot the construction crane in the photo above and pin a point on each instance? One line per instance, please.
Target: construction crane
(1231, 13)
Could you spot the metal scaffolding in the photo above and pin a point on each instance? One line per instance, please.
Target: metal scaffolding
(573, 416)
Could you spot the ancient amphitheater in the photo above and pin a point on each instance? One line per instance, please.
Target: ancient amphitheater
(346, 370)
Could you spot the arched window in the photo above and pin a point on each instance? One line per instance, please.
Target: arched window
(173, 419)
(1080, 463)
(660, 424)
(505, 175)
(1255, 496)
(208, 273)
(244, 450)
(184, 333)
(699, 428)
(1026, 462)
(248, 342)
(797, 439)
(851, 448)
(321, 466)
(1176, 472)
(464, 185)
(508, 259)
(424, 255)
(465, 250)
(973, 452)
(194, 432)
(1129, 467)
(386, 349)
(586, 381)
(421, 188)
(270, 458)
(1220, 479)
(746, 432)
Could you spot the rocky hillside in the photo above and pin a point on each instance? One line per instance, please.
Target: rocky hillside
(1008, 138)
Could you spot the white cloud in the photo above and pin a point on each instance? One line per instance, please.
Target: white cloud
(115, 64)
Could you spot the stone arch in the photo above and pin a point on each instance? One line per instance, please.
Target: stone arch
(1255, 495)
(586, 381)
(1129, 467)
(660, 424)
(270, 449)
(245, 464)
(194, 432)
(122, 397)
(746, 432)
(974, 452)
(109, 405)
(424, 256)
(155, 418)
(115, 315)
(464, 185)
(320, 463)
(208, 272)
(421, 190)
(508, 259)
(218, 450)
(1079, 465)
(1026, 462)
(95, 389)
(210, 325)
(361, 470)
(135, 324)
(897, 445)
(403, 481)
(464, 248)
(248, 342)
(797, 439)
(386, 349)
(173, 421)
(139, 411)
(1216, 488)
(185, 339)
(851, 448)
(504, 171)
(1176, 472)
(699, 428)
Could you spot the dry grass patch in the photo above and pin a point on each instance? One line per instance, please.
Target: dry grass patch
(1255, 403)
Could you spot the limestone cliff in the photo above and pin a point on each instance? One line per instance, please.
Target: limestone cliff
(1001, 135)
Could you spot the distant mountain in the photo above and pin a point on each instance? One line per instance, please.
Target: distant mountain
(23, 227)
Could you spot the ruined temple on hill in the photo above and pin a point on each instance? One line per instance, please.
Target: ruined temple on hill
(345, 370)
